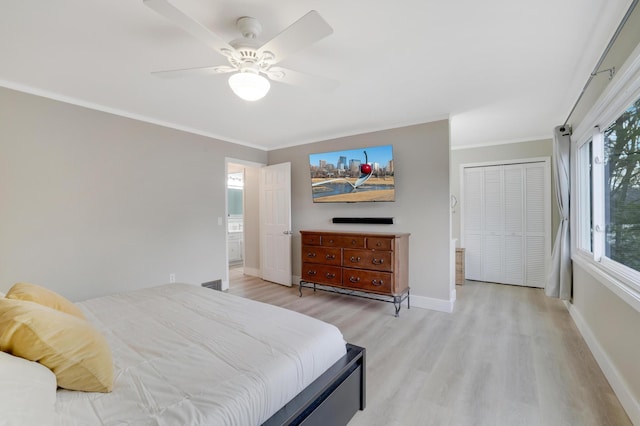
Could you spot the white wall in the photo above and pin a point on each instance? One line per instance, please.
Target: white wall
(421, 160)
(92, 203)
(610, 328)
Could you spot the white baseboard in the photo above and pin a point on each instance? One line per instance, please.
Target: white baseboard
(441, 305)
(619, 386)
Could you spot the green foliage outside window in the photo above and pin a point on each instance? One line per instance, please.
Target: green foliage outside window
(622, 197)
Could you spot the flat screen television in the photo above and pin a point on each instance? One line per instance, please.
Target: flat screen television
(353, 175)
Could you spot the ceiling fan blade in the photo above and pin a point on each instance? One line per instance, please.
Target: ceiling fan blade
(284, 75)
(222, 69)
(188, 24)
(305, 31)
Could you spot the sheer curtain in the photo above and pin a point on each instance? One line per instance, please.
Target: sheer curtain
(559, 281)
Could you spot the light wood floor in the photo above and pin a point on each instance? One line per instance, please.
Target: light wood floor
(507, 356)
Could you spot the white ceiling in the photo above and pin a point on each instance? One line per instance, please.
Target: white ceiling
(502, 70)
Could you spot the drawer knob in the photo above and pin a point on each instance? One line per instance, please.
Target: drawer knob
(354, 279)
(331, 276)
(353, 242)
(330, 241)
(311, 273)
(311, 254)
(378, 244)
(330, 256)
(377, 283)
(377, 261)
(355, 259)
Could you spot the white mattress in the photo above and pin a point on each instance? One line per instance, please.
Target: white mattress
(185, 355)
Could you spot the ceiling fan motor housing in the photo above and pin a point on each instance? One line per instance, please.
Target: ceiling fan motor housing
(246, 55)
(249, 27)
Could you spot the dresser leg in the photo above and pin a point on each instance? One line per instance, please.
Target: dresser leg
(397, 303)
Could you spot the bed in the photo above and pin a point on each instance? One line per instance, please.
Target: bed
(194, 356)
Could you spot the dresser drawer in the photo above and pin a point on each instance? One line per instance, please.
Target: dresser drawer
(343, 241)
(379, 282)
(322, 274)
(381, 243)
(325, 255)
(368, 259)
(311, 239)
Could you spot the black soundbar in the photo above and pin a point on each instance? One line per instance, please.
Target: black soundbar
(365, 220)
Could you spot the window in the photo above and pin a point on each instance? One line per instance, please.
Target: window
(608, 190)
(622, 188)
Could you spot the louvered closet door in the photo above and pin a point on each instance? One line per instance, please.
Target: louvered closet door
(473, 222)
(492, 247)
(505, 210)
(513, 225)
(535, 243)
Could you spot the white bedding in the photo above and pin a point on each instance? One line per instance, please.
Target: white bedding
(185, 355)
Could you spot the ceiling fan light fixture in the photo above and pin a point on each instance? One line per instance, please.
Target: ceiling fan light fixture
(249, 86)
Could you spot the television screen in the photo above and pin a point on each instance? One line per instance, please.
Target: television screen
(354, 175)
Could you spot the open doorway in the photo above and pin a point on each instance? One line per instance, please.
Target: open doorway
(243, 220)
(258, 240)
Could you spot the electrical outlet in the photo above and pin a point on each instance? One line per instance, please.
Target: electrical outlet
(172, 278)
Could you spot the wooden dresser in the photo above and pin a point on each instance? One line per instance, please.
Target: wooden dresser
(372, 265)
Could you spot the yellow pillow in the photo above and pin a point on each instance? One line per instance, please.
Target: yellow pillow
(43, 296)
(71, 347)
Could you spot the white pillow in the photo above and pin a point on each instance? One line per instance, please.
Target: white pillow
(2, 294)
(27, 392)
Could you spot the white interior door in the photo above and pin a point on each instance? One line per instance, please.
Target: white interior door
(536, 224)
(492, 248)
(275, 223)
(506, 223)
(514, 264)
(473, 222)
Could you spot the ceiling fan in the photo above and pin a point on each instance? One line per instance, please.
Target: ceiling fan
(252, 62)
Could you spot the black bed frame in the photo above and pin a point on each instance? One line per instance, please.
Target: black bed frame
(332, 399)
